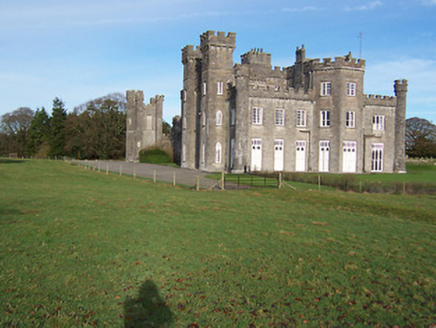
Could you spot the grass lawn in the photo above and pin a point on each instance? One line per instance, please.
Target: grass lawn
(81, 248)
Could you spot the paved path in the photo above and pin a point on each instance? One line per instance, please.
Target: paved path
(183, 176)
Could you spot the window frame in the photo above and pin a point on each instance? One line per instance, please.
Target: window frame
(326, 89)
(279, 121)
(301, 120)
(256, 115)
(350, 119)
(324, 121)
(351, 89)
(220, 88)
(219, 118)
(218, 153)
(378, 122)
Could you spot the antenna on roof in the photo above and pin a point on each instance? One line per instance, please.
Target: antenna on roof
(361, 39)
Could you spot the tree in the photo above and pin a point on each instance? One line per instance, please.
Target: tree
(420, 138)
(99, 132)
(15, 126)
(39, 133)
(57, 127)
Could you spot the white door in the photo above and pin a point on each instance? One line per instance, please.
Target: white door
(349, 158)
(324, 154)
(300, 156)
(256, 154)
(278, 154)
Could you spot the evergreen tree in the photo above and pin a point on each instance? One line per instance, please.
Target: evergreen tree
(38, 132)
(57, 128)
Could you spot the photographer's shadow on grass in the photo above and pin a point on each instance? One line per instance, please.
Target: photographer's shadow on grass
(147, 309)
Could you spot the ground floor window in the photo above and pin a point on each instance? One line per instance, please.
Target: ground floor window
(377, 157)
(349, 156)
(300, 156)
(324, 156)
(218, 152)
(256, 154)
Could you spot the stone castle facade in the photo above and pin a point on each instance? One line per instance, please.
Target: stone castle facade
(311, 117)
(144, 124)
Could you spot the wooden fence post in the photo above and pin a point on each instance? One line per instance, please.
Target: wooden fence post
(121, 170)
(198, 183)
(174, 178)
(154, 176)
(222, 180)
(319, 183)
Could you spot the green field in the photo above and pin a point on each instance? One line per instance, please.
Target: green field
(82, 248)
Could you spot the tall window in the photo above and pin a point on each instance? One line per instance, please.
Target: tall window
(351, 89)
(184, 123)
(350, 120)
(204, 118)
(184, 153)
(377, 158)
(220, 88)
(280, 117)
(325, 118)
(184, 95)
(218, 151)
(233, 116)
(378, 122)
(203, 153)
(256, 115)
(204, 88)
(219, 118)
(301, 117)
(326, 88)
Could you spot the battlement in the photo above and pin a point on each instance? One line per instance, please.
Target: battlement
(156, 99)
(219, 39)
(400, 86)
(189, 52)
(256, 56)
(338, 62)
(378, 100)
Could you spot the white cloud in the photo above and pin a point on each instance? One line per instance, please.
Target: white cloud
(369, 6)
(428, 2)
(302, 9)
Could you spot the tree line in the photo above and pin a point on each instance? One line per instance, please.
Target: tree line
(98, 132)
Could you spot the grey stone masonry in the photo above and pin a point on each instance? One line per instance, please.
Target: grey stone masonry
(312, 116)
(144, 124)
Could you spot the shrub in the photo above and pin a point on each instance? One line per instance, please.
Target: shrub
(154, 156)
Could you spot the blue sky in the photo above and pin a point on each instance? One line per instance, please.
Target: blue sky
(83, 49)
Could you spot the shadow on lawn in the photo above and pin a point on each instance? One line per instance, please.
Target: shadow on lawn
(10, 161)
(148, 309)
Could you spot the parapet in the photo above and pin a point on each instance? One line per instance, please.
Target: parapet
(377, 100)
(256, 56)
(219, 39)
(189, 52)
(400, 86)
(342, 61)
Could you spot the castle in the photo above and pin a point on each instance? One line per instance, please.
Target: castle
(309, 117)
(144, 124)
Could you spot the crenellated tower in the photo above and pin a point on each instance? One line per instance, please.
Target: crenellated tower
(400, 89)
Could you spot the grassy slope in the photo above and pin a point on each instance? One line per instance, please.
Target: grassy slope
(82, 248)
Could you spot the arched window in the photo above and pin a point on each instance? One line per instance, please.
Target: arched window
(219, 118)
(218, 152)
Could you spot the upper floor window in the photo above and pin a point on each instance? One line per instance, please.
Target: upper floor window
(219, 118)
(204, 118)
(378, 122)
(351, 89)
(204, 88)
(220, 88)
(325, 118)
(184, 95)
(326, 88)
(301, 117)
(350, 120)
(233, 116)
(184, 123)
(256, 115)
(280, 117)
